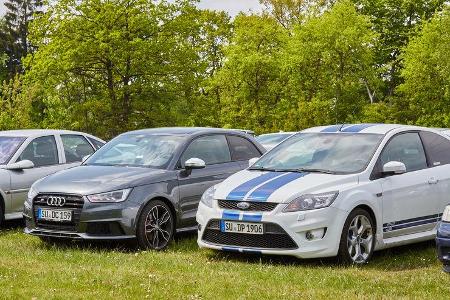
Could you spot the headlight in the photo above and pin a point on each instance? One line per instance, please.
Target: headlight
(308, 202)
(446, 214)
(31, 194)
(115, 196)
(208, 196)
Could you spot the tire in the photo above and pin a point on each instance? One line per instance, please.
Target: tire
(156, 226)
(357, 238)
(2, 213)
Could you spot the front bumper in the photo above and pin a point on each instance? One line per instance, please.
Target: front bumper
(94, 221)
(325, 224)
(443, 242)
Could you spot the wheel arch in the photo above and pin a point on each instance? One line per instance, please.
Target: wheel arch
(164, 199)
(371, 213)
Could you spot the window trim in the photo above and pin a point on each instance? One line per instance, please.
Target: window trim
(375, 174)
(179, 165)
(428, 155)
(245, 138)
(58, 151)
(64, 150)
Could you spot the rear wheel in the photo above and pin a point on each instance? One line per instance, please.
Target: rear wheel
(358, 238)
(156, 226)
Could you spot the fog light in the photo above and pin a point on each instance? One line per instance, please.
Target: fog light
(315, 234)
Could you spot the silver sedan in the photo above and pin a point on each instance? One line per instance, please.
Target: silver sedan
(29, 155)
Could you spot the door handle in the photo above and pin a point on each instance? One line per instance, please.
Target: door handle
(433, 180)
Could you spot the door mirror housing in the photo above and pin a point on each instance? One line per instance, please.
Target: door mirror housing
(394, 168)
(252, 161)
(21, 165)
(194, 164)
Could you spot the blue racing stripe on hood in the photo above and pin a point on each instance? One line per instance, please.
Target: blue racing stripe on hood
(263, 192)
(239, 192)
(357, 127)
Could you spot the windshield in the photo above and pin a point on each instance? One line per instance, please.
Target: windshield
(322, 152)
(273, 138)
(137, 150)
(9, 146)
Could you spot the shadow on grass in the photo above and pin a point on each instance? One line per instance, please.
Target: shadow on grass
(8, 226)
(410, 257)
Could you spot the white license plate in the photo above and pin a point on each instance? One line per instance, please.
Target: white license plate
(54, 215)
(241, 227)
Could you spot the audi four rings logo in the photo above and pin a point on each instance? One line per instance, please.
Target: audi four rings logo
(56, 201)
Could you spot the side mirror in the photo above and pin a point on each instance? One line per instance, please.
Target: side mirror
(252, 161)
(194, 163)
(85, 158)
(21, 165)
(394, 168)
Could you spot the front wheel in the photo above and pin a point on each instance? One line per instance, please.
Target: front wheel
(156, 226)
(357, 239)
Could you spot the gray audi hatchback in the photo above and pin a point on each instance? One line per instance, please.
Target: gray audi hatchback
(143, 184)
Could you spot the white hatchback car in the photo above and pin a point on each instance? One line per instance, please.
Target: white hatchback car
(341, 190)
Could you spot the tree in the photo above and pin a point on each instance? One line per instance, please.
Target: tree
(425, 94)
(14, 31)
(110, 67)
(291, 12)
(249, 85)
(396, 21)
(329, 63)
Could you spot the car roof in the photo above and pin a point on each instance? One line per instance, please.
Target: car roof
(38, 132)
(362, 128)
(184, 131)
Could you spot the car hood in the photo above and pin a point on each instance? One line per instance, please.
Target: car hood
(87, 180)
(279, 187)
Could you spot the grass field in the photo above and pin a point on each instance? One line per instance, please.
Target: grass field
(29, 269)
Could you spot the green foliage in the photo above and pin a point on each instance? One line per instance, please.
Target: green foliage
(425, 95)
(15, 105)
(109, 67)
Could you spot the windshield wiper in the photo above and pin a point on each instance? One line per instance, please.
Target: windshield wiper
(264, 169)
(323, 171)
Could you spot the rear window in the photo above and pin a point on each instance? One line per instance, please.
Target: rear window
(437, 148)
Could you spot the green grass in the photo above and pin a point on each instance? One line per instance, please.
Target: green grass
(29, 269)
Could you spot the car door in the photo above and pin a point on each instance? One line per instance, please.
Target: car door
(438, 153)
(214, 150)
(43, 152)
(410, 200)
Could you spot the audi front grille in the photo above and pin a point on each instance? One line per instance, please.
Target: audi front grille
(274, 237)
(72, 202)
(253, 206)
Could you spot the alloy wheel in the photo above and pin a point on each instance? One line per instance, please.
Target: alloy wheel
(158, 227)
(360, 239)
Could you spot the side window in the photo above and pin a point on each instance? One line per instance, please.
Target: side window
(97, 144)
(75, 147)
(437, 147)
(41, 151)
(406, 148)
(242, 149)
(213, 149)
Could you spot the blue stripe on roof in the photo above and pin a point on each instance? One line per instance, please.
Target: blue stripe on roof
(334, 128)
(239, 192)
(357, 127)
(263, 192)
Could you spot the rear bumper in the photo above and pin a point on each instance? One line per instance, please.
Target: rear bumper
(443, 242)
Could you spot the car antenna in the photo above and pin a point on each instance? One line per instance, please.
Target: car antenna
(340, 128)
